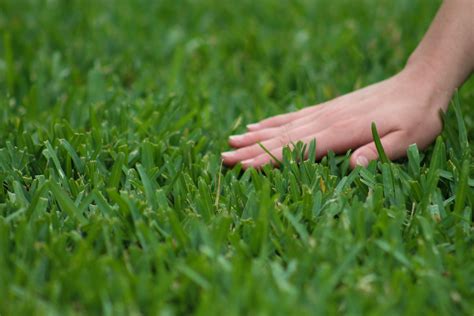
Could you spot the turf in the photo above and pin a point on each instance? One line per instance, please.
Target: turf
(113, 197)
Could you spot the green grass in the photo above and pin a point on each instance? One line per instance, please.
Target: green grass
(113, 200)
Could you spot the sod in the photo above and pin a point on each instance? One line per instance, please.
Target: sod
(113, 200)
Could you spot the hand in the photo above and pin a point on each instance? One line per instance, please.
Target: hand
(405, 109)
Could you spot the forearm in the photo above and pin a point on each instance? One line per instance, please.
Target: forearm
(446, 53)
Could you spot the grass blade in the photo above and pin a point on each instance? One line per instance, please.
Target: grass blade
(378, 144)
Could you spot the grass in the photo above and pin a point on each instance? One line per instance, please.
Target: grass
(113, 197)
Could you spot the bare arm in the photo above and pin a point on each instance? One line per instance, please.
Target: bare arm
(404, 107)
(448, 46)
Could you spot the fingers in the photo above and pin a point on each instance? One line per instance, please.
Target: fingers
(314, 122)
(335, 138)
(282, 119)
(250, 138)
(264, 159)
(395, 145)
(280, 140)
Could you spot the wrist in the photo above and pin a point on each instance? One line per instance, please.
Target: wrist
(429, 78)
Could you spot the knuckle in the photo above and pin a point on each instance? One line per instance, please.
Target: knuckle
(288, 126)
(283, 136)
(283, 139)
(284, 129)
(252, 137)
(250, 150)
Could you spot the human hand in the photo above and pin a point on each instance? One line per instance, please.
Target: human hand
(405, 109)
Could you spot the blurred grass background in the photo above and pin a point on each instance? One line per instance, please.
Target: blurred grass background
(125, 107)
(247, 59)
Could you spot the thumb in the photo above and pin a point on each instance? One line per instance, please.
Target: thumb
(394, 145)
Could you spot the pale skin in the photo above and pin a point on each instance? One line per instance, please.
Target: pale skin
(405, 107)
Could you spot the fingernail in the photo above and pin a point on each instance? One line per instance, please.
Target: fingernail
(247, 163)
(362, 161)
(251, 126)
(236, 138)
(227, 154)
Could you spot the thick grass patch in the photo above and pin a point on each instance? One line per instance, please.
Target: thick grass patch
(113, 200)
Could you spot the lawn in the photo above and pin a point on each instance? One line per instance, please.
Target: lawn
(113, 200)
